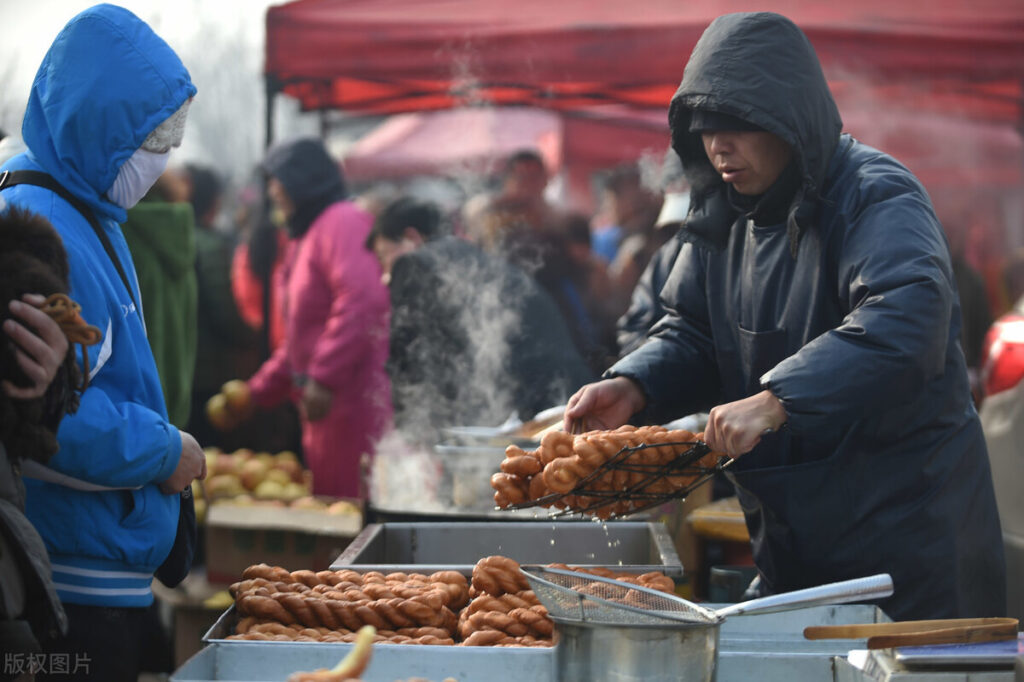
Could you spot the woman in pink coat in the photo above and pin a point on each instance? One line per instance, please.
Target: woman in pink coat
(332, 361)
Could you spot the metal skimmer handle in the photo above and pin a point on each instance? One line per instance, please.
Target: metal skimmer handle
(859, 589)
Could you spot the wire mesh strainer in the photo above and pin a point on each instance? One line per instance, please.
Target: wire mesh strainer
(596, 494)
(585, 598)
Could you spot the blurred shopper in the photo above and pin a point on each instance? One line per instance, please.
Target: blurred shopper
(257, 262)
(518, 208)
(975, 316)
(520, 225)
(646, 307)
(226, 347)
(106, 107)
(1002, 354)
(589, 274)
(814, 289)
(633, 208)
(161, 235)
(332, 361)
(473, 338)
(255, 265)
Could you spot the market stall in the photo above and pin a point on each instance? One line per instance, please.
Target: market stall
(450, 599)
(474, 600)
(795, 640)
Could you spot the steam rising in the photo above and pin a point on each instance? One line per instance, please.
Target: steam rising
(469, 346)
(464, 359)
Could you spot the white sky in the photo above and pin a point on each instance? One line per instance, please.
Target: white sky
(28, 27)
(219, 41)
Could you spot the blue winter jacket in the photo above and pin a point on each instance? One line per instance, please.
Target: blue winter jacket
(107, 81)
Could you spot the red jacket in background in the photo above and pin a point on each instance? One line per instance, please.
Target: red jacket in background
(1002, 358)
(248, 292)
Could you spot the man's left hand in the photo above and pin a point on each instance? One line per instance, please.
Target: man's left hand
(735, 428)
(316, 400)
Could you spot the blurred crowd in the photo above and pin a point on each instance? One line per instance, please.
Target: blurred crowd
(513, 302)
(540, 298)
(214, 267)
(217, 266)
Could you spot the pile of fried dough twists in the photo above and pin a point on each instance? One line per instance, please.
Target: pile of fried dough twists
(496, 607)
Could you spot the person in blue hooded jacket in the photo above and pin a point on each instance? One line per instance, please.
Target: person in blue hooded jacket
(814, 289)
(107, 106)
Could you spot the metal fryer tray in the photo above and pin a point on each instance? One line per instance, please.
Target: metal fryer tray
(767, 647)
(426, 547)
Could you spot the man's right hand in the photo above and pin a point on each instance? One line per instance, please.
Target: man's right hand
(191, 465)
(604, 405)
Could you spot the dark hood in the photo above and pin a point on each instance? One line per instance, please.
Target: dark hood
(759, 67)
(311, 177)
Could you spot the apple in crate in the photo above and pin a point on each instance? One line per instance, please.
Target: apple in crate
(308, 502)
(343, 507)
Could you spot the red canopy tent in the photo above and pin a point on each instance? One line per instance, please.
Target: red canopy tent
(916, 79)
(951, 60)
(384, 56)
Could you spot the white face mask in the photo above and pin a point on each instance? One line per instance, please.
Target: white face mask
(136, 176)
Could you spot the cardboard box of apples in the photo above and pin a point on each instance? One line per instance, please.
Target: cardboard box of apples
(257, 507)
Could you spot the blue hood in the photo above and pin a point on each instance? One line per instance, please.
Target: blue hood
(106, 82)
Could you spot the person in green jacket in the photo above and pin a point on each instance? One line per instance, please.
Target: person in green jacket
(160, 231)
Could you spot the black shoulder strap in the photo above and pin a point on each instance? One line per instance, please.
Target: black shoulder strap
(41, 179)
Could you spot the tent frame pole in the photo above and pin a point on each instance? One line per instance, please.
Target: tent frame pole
(272, 88)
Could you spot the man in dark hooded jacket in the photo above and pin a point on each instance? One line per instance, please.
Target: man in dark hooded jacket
(814, 290)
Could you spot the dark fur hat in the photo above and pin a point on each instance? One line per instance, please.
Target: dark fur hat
(32, 260)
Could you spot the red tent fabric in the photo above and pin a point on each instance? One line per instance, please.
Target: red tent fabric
(957, 64)
(385, 56)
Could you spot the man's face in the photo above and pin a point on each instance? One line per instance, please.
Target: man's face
(750, 160)
(525, 180)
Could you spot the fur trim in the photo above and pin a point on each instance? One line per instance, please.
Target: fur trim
(32, 260)
(168, 134)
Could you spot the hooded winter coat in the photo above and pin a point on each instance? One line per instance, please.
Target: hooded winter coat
(336, 319)
(161, 237)
(105, 84)
(847, 312)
